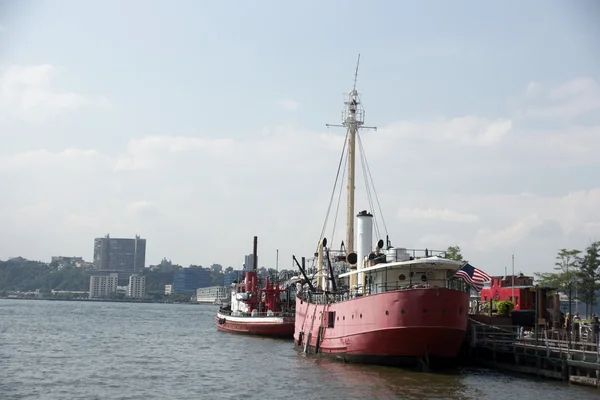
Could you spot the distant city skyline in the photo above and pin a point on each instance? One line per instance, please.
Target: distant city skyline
(199, 125)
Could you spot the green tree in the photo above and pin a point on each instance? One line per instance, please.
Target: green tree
(567, 266)
(588, 275)
(453, 253)
(216, 278)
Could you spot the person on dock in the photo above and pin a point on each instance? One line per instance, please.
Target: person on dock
(595, 328)
(576, 322)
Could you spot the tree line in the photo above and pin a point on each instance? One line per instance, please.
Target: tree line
(576, 272)
(21, 275)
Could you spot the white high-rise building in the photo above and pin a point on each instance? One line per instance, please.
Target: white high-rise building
(103, 285)
(137, 286)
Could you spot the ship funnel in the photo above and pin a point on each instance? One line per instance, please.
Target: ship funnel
(364, 239)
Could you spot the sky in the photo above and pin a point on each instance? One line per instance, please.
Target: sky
(198, 125)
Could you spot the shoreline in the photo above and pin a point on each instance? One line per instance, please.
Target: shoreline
(101, 300)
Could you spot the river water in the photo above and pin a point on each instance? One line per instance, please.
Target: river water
(91, 350)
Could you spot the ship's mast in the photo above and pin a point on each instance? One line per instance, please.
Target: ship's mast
(352, 122)
(353, 118)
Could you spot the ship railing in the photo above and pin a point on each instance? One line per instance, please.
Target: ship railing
(322, 297)
(408, 284)
(338, 259)
(260, 314)
(340, 255)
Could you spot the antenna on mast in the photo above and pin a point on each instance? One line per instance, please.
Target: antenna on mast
(356, 73)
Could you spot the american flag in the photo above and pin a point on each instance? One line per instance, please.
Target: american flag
(472, 276)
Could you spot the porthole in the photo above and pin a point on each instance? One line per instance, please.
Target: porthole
(444, 311)
(403, 312)
(387, 313)
(352, 316)
(361, 315)
(401, 277)
(344, 318)
(423, 277)
(425, 311)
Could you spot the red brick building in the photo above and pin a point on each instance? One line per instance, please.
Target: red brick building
(501, 289)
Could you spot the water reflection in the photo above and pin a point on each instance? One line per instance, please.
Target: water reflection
(375, 382)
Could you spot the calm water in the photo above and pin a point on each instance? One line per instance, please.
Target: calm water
(85, 350)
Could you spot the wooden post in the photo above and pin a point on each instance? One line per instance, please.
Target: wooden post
(556, 317)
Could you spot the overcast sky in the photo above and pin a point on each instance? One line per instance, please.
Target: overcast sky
(198, 125)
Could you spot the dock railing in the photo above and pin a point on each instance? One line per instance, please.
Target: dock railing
(556, 342)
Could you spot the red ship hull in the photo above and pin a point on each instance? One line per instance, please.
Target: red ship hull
(280, 327)
(388, 328)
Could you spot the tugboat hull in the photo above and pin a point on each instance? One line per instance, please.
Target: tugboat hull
(281, 327)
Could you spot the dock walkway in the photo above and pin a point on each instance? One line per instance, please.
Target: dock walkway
(550, 353)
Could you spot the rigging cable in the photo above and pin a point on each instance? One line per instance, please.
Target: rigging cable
(368, 189)
(339, 197)
(362, 150)
(333, 191)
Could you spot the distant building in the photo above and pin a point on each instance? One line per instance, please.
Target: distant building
(212, 294)
(229, 277)
(103, 285)
(118, 254)
(59, 292)
(187, 280)
(249, 262)
(62, 261)
(137, 286)
(168, 289)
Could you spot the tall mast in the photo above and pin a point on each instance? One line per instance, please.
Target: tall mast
(352, 122)
(353, 118)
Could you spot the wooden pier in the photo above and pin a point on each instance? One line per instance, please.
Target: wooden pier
(551, 353)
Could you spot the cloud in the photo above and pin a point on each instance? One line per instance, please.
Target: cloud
(442, 215)
(288, 104)
(468, 130)
(575, 98)
(449, 181)
(26, 92)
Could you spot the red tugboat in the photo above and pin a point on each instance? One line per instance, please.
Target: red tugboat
(381, 305)
(256, 309)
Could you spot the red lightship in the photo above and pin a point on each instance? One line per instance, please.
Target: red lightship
(380, 304)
